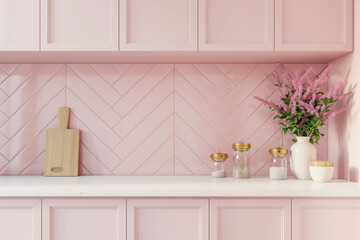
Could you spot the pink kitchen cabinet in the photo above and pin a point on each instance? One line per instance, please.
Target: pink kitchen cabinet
(167, 219)
(236, 25)
(326, 219)
(20, 219)
(79, 25)
(19, 25)
(90, 219)
(250, 219)
(308, 25)
(158, 25)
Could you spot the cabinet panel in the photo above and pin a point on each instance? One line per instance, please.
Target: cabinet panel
(90, 219)
(158, 25)
(236, 25)
(20, 219)
(307, 25)
(79, 25)
(164, 219)
(19, 25)
(250, 219)
(326, 219)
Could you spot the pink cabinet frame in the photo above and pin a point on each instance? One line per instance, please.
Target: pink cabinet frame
(108, 42)
(171, 214)
(322, 44)
(15, 213)
(250, 41)
(330, 219)
(254, 218)
(128, 27)
(56, 211)
(21, 44)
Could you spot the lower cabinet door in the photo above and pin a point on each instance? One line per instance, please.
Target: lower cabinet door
(20, 219)
(250, 219)
(84, 219)
(167, 219)
(326, 219)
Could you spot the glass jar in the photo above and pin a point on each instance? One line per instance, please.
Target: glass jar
(278, 163)
(241, 168)
(219, 165)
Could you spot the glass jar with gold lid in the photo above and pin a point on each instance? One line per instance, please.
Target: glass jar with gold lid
(241, 154)
(278, 163)
(219, 165)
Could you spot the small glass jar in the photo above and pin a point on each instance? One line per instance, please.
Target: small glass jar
(219, 165)
(241, 168)
(278, 163)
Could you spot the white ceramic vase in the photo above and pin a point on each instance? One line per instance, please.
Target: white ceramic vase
(301, 153)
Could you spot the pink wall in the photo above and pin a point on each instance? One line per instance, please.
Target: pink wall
(344, 131)
(140, 118)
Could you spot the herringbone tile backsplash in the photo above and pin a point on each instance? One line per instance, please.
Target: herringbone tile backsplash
(141, 119)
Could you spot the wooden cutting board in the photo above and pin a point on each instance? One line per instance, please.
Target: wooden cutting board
(62, 148)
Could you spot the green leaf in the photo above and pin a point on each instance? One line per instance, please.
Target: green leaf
(277, 116)
(317, 138)
(294, 140)
(285, 130)
(326, 101)
(312, 122)
(311, 141)
(286, 101)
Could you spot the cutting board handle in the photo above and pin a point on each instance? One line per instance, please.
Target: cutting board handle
(64, 114)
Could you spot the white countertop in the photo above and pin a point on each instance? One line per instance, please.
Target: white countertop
(170, 186)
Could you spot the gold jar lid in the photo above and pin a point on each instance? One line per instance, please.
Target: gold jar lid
(321, 164)
(219, 157)
(278, 151)
(241, 146)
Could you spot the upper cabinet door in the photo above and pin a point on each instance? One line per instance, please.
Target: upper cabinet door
(158, 25)
(308, 25)
(236, 25)
(19, 25)
(79, 25)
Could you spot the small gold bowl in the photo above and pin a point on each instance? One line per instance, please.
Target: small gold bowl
(321, 164)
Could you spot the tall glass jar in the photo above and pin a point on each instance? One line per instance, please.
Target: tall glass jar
(241, 168)
(278, 163)
(219, 165)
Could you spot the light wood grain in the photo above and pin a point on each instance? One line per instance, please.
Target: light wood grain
(62, 148)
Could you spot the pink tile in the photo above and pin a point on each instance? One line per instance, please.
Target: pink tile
(18, 77)
(32, 128)
(91, 163)
(148, 125)
(37, 81)
(157, 75)
(89, 97)
(146, 148)
(92, 120)
(94, 145)
(132, 76)
(96, 82)
(158, 159)
(31, 108)
(107, 71)
(146, 106)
